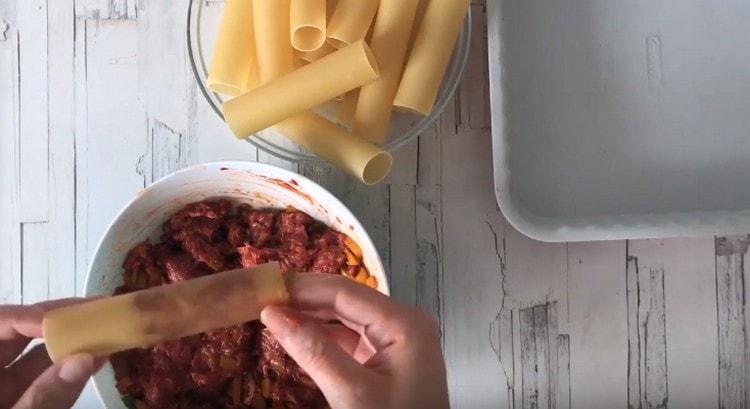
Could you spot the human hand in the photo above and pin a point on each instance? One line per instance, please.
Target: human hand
(32, 381)
(385, 356)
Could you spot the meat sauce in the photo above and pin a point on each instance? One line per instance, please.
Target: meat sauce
(242, 366)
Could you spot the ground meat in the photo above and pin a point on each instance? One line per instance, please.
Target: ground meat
(289, 384)
(206, 371)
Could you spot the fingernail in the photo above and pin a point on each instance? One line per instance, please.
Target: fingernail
(76, 368)
(279, 320)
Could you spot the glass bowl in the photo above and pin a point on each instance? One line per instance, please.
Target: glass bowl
(203, 23)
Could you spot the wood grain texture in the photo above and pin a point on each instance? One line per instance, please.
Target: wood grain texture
(33, 111)
(731, 307)
(544, 359)
(10, 228)
(689, 309)
(647, 344)
(111, 130)
(108, 9)
(598, 325)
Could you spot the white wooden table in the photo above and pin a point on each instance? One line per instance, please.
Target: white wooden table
(97, 100)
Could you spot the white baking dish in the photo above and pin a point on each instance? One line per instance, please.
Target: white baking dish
(621, 119)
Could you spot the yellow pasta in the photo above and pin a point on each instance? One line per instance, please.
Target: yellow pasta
(330, 8)
(347, 151)
(143, 318)
(233, 65)
(274, 50)
(418, 17)
(308, 24)
(321, 52)
(350, 21)
(303, 89)
(390, 37)
(430, 55)
(348, 105)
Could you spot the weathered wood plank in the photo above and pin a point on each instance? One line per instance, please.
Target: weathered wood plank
(61, 88)
(634, 338)
(429, 224)
(33, 111)
(10, 228)
(474, 109)
(112, 128)
(165, 152)
(647, 351)
(690, 308)
(730, 304)
(40, 280)
(502, 342)
(529, 374)
(403, 244)
(472, 279)
(598, 325)
(542, 365)
(562, 397)
(544, 359)
(108, 9)
(163, 86)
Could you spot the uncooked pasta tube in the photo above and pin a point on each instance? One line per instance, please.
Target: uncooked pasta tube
(349, 152)
(390, 37)
(233, 65)
(165, 313)
(348, 106)
(430, 55)
(321, 52)
(308, 24)
(350, 21)
(274, 50)
(309, 86)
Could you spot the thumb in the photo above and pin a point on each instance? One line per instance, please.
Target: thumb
(59, 386)
(314, 351)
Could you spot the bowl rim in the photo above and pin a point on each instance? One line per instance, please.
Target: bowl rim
(263, 170)
(451, 80)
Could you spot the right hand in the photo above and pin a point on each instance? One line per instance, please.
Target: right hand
(385, 356)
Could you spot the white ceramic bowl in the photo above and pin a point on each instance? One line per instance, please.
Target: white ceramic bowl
(259, 185)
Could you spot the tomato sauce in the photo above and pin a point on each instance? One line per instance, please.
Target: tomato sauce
(238, 367)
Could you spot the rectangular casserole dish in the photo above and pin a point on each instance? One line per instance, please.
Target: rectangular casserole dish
(621, 119)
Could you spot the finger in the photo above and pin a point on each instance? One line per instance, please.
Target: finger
(18, 325)
(350, 342)
(361, 308)
(59, 386)
(308, 344)
(21, 323)
(23, 372)
(62, 302)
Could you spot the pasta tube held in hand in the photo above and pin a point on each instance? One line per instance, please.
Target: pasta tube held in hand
(308, 24)
(274, 50)
(144, 318)
(430, 55)
(233, 66)
(350, 21)
(301, 90)
(348, 152)
(390, 38)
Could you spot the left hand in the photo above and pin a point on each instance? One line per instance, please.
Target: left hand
(32, 381)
